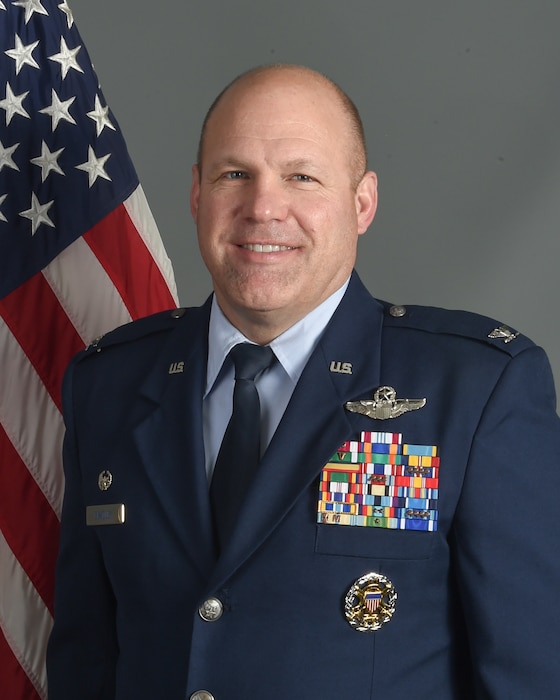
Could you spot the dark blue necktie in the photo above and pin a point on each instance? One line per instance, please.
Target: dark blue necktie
(239, 453)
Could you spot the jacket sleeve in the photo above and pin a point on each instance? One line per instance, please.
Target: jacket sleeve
(82, 650)
(506, 537)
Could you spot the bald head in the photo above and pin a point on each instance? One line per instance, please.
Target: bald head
(266, 78)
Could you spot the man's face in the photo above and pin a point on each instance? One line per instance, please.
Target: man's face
(277, 212)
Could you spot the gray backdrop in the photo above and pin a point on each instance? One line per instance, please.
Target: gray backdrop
(461, 105)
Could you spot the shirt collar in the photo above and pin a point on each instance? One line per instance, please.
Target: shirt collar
(293, 348)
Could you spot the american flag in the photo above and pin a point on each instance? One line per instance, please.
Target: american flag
(79, 254)
(372, 600)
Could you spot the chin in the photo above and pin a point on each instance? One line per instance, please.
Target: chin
(266, 300)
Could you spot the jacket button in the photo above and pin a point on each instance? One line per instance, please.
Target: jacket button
(397, 311)
(202, 695)
(210, 611)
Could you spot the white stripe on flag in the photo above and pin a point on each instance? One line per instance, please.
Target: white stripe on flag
(85, 291)
(141, 216)
(31, 420)
(24, 619)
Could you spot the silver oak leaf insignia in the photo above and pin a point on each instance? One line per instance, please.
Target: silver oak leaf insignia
(503, 333)
(385, 405)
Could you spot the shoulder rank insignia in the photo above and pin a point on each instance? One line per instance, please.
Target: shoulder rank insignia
(95, 342)
(385, 405)
(503, 333)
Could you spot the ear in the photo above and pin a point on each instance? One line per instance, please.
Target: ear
(195, 191)
(366, 201)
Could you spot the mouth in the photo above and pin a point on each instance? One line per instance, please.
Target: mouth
(266, 248)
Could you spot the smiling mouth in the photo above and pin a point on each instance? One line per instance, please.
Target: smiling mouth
(266, 248)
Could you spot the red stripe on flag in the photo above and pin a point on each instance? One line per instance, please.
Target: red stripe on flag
(45, 334)
(130, 265)
(28, 522)
(15, 683)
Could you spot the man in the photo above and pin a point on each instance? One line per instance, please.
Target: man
(398, 538)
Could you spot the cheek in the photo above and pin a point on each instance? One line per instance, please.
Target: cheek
(330, 227)
(207, 229)
(212, 223)
(314, 217)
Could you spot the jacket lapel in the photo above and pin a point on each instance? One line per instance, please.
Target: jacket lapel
(315, 423)
(170, 438)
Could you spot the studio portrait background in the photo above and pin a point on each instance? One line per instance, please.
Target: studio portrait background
(461, 107)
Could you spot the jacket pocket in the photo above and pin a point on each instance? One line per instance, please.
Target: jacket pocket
(373, 542)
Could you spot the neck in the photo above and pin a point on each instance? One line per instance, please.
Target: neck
(260, 328)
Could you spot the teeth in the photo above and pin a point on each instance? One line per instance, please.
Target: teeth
(259, 248)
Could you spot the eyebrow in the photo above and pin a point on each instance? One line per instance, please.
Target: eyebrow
(301, 164)
(229, 161)
(294, 164)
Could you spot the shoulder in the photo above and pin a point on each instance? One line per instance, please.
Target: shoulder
(161, 322)
(144, 332)
(470, 326)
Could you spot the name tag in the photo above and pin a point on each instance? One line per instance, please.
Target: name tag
(110, 514)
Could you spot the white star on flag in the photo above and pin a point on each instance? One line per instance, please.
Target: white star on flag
(6, 156)
(22, 55)
(99, 116)
(63, 7)
(48, 161)
(59, 110)
(94, 166)
(37, 213)
(67, 58)
(31, 6)
(13, 104)
(2, 196)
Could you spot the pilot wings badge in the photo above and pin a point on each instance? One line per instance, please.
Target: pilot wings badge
(385, 405)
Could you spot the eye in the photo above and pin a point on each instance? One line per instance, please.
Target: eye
(234, 175)
(303, 178)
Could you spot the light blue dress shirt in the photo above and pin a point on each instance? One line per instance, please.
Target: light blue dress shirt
(275, 386)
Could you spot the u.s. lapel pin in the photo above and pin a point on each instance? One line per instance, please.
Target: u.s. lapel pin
(340, 367)
(385, 404)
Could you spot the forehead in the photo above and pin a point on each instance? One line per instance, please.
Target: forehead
(282, 110)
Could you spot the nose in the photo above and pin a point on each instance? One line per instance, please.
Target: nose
(265, 200)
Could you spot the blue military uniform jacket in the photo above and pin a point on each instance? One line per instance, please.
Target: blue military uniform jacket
(476, 614)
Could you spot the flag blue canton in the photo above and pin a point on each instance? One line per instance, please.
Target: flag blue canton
(63, 160)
